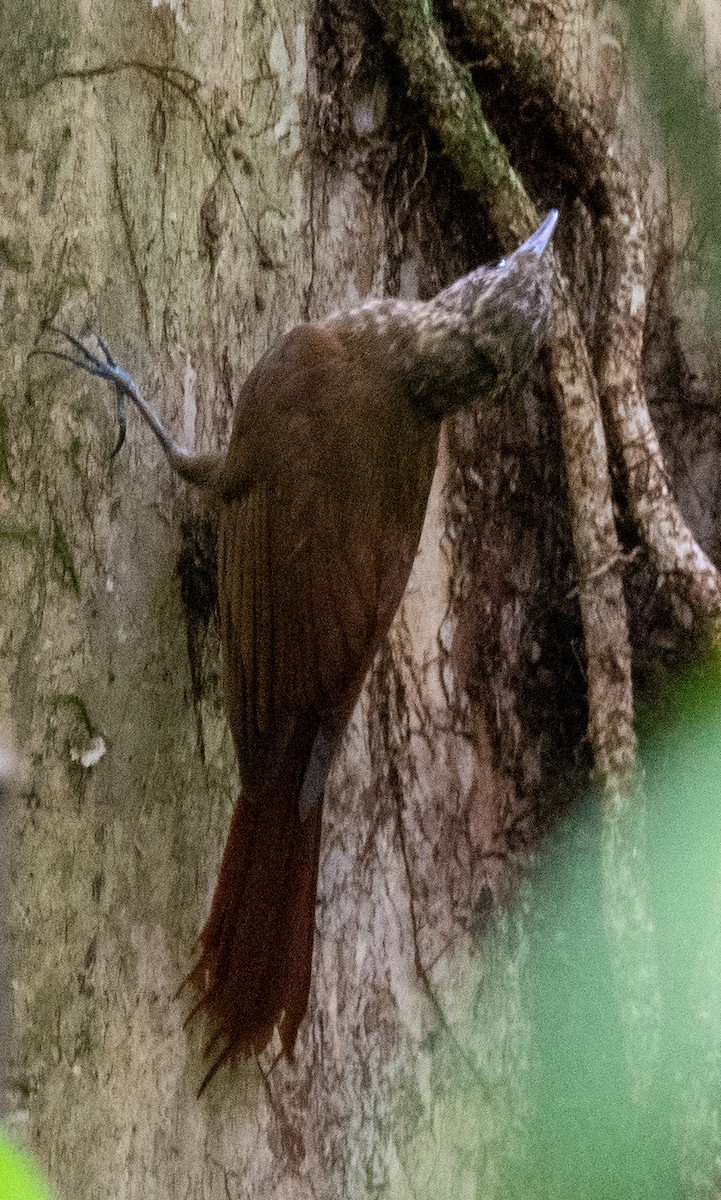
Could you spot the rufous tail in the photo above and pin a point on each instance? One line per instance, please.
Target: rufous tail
(254, 969)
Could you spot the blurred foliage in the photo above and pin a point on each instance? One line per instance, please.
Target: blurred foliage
(19, 1179)
(586, 1136)
(669, 40)
(589, 1141)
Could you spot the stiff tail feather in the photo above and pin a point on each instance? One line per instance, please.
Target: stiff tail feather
(256, 950)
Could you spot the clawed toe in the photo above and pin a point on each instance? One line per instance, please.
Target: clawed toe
(94, 365)
(108, 356)
(88, 362)
(203, 470)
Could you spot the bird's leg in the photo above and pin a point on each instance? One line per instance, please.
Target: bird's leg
(202, 469)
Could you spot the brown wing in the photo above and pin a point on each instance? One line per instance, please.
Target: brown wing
(310, 573)
(297, 625)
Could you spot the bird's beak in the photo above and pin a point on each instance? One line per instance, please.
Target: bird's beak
(537, 242)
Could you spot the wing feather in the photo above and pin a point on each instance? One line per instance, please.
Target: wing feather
(296, 629)
(262, 616)
(316, 543)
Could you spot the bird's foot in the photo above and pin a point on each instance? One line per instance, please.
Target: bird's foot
(105, 368)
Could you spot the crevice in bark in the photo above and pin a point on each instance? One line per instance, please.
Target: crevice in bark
(196, 569)
(517, 649)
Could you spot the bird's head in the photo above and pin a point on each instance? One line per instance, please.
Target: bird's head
(496, 319)
(470, 342)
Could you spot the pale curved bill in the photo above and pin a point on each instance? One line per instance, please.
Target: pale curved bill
(538, 240)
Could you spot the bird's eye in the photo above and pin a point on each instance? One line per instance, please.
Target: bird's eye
(501, 263)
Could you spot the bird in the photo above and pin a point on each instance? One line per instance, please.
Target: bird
(321, 497)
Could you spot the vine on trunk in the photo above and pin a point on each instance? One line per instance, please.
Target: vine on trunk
(605, 422)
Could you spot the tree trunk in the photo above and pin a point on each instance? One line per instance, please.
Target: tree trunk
(189, 181)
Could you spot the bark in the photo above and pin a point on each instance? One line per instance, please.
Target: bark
(190, 181)
(456, 113)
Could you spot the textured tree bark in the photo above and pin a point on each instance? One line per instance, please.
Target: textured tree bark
(191, 180)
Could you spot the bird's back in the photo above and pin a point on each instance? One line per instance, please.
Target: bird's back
(325, 487)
